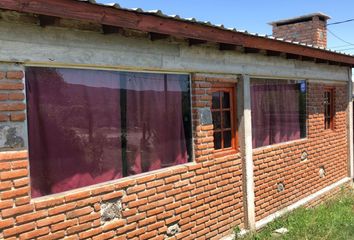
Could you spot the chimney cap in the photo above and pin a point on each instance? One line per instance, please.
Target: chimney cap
(303, 18)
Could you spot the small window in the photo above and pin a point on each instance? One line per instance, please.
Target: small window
(328, 104)
(223, 113)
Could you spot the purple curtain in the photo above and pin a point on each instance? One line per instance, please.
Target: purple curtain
(87, 127)
(275, 113)
(155, 129)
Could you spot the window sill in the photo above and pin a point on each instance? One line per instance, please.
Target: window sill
(225, 152)
(280, 144)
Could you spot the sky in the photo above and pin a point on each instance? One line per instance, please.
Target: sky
(253, 15)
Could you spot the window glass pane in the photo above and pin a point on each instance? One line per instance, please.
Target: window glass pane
(302, 114)
(227, 139)
(226, 119)
(226, 100)
(217, 140)
(328, 108)
(154, 122)
(74, 127)
(87, 126)
(325, 110)
(216, 100)
(278, 111)
(216, 120)
(327, 123)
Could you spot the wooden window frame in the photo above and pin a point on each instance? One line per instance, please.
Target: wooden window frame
(231, 89)
(329, 90)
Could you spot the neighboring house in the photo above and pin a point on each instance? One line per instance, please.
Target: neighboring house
(124, 124)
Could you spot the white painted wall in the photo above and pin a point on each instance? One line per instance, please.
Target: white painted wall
(30, 44)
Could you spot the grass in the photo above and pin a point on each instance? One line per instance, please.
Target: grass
(332, 220)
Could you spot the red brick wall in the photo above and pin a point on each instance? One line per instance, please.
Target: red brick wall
(11, 96)
(204, 197)
(330, 195)
(282, 163)
(311, 32)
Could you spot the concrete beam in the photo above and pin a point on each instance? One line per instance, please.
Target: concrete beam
(350, 125)
(245, 129)
(56, 46)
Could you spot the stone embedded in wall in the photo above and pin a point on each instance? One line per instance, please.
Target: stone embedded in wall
(205, 116)
(11, 136)
(322, 172)
(280, 187)
(304, 155)
(111, 210)
(173, 229)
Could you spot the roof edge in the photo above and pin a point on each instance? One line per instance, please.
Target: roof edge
(172, 26)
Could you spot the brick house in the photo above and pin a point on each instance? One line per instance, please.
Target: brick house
(124, 124)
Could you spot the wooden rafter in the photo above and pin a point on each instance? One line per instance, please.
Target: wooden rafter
(45, 21)
(157, 36)
(107, 29)
(273, 53)
(252, 50)
(293, 56)
(192, 41)
(225, 46)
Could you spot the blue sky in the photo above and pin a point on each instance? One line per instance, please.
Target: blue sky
(253, 15)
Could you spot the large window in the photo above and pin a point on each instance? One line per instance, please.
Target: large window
(278, 111)
(88, 126)
(223, 113)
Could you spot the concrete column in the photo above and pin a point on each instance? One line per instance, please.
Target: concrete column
(245, 136)
(350, 125)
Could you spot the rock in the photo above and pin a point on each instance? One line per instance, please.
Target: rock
(173, 230)
(11, 136)
(281, 231)
(111, 210)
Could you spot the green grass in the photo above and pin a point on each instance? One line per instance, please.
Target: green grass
(332, 220)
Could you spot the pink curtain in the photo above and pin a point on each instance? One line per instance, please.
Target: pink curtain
(87, 127)
(275, 113)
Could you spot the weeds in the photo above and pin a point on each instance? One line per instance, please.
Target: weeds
(332, 220)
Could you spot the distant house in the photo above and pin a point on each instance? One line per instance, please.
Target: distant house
(125, 124)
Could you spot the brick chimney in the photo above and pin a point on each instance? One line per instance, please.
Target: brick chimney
(309, 29)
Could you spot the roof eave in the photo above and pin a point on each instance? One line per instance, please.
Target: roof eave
(152, 22)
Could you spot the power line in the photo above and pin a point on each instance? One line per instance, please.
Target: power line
(336, 23)
(341, 39)
(340, 46)
(346, 49)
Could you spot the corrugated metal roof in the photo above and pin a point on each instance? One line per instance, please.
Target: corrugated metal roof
(159, 13)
